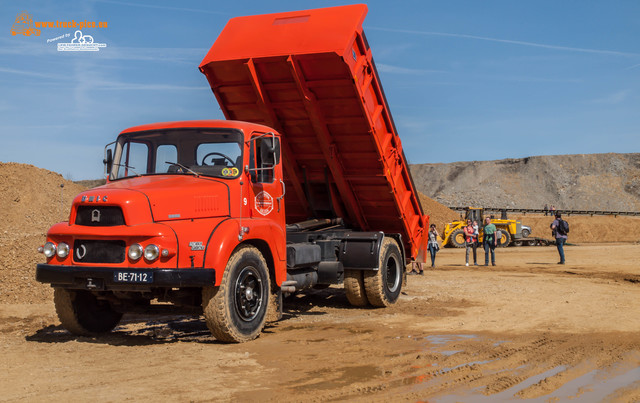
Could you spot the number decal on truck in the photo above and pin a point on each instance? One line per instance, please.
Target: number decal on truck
(264, 203)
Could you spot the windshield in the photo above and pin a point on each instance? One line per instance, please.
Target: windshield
(208, 152)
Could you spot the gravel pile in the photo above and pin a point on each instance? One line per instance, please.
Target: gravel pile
(577, 182)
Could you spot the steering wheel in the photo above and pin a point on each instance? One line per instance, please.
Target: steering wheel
(226, 157)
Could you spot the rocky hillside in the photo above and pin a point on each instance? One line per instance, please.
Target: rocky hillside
(578, 182)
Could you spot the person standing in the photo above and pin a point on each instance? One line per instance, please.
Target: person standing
(432, 245)
(559, 230)
(546, 210)
(470, 242)
(490, 241)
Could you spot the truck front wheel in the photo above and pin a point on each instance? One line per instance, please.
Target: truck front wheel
(82, 314)
(383, 286)
(236, 310)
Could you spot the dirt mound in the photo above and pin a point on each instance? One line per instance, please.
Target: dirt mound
(33, 198)
(439, 214)
(569, 182)
(33, 201)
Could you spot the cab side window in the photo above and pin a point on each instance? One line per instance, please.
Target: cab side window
(264, 156)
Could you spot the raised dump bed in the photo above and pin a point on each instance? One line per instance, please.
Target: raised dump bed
(310, 75)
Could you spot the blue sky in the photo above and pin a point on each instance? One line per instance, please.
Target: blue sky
(465, 80)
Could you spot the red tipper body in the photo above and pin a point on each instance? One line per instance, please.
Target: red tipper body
(310, 75)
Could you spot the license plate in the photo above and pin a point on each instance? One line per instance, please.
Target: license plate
(133, 277)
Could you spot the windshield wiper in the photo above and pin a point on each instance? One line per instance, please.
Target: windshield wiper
(128, 167)
(186, 168)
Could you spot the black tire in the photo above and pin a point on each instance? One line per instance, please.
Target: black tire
(457, 238)
(82, 314)
(383, 286)
(235, 311)
(531, 242)
(525, 233)
(517, 243)
(504, 238)
(354, 287)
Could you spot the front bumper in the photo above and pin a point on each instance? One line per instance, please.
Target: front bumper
(104, 278)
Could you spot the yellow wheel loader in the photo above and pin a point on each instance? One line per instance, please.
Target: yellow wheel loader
(508, 230)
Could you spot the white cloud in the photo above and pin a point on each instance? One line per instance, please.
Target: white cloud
(387, 68)
(508, 41)
(613, 99)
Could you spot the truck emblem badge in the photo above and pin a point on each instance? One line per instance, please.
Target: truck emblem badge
(95, 215)
(90, 198)
(196, 245)
(264, 203)
(81, 252)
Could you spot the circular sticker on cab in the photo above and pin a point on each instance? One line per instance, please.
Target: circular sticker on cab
(234, 171)
(226, 172)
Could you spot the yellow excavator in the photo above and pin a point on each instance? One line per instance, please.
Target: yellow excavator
(509, 231)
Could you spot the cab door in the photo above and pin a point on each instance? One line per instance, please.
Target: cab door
(265, 173)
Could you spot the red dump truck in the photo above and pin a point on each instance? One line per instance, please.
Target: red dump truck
(304, 185)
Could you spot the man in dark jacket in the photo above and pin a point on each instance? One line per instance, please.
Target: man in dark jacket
(561, 237)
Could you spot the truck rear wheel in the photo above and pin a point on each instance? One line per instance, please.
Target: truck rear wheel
(354, 287)
(82, 314)
(504, 238)
(457, 238)
(383, 286)
(236, 310)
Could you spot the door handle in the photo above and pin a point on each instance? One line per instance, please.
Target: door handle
(279, 198)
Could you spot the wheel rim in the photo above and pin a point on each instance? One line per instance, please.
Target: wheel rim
(248, 294)
(459, 238)
(393, 274)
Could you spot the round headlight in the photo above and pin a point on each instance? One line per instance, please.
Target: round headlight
(63, 250)
(135, 251)
(151, 252)
(49, 249)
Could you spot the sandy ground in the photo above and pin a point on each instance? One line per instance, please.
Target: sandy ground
(525, 329)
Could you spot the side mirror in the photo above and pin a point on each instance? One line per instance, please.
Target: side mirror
(108, 161)
(267, 152)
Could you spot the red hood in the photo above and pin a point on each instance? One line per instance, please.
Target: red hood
(170, 197)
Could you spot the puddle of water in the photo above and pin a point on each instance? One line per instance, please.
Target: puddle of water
(504, 396)
(436, 342)
(445, 339)
(595, 385)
